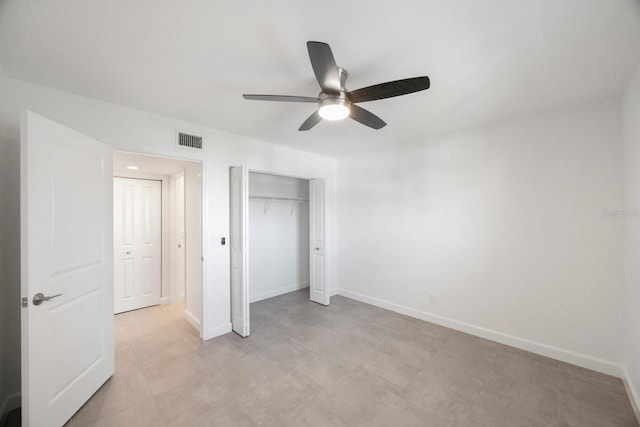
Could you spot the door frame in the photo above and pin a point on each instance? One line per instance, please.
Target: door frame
(204, 316)
(327, 234)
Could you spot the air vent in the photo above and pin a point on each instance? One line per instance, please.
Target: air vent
(189, 141)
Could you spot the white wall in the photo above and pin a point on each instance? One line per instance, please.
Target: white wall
(132, 130)
(193, 200)
(500, 231)
(9, 258)
(631, 214)
(279, 238)
(3, 202)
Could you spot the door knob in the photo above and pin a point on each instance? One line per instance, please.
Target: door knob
(128, 252)
(39, 298)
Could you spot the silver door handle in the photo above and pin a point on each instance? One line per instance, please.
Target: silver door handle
(128, 252)
(39, 298)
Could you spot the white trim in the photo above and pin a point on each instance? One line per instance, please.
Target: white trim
(9, 403)
(634, 396)
(568, 356)
(204, 248)
(165, 301)
(216, 331)
(333, 292)
(280, 291)
(193, 320)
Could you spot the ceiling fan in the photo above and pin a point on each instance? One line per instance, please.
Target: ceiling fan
(335, 102)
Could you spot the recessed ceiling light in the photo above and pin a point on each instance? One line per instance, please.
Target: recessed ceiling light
(133, 168)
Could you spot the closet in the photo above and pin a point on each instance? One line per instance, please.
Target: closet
(278, 219)
(277, 240)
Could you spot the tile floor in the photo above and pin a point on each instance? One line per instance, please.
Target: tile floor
(349, 364)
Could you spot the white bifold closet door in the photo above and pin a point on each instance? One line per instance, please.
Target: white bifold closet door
(318, 289)
(239, 200)
(137, 209)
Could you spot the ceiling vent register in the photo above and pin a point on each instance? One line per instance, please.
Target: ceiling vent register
(189, 141)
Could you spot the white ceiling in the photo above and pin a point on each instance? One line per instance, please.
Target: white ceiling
(488, 60)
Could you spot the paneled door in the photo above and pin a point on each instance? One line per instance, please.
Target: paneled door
(67, 269)
(318, 289)
(137, 211)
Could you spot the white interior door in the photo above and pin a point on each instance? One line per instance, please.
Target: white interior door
(66, 255)
(239, 201)
(137, 207)
(318, 291)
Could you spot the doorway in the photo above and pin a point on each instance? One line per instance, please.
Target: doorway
(255, 191)
(177, 279)
(278, 235)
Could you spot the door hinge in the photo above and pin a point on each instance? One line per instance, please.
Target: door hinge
(25, 302)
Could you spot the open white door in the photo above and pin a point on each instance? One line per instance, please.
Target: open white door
(67, 270)
(239, 201)
(318, 291)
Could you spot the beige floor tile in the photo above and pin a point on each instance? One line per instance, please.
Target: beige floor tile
(348, 364)
(574, 412)
(165, 375)
(314, 414)
(123, 391)
(198, 397)
(231, 414)
(358, 398)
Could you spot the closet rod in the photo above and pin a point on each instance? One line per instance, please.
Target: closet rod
(267, 202)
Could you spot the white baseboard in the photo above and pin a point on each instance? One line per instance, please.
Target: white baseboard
(634, 397)
(192, 319)
(217, 331)
(165, 301)
(9, 403)
(593, 363)
(279, 291)
(333, 292)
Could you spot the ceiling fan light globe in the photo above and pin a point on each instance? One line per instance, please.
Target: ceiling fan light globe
(334, 112)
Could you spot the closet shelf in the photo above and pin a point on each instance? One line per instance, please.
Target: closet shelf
(296, 201)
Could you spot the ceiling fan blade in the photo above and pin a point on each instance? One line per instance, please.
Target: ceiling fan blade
(366, 117)
(389, 89)
(281, 98)
(324, 66)
(311, 121)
